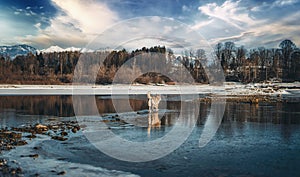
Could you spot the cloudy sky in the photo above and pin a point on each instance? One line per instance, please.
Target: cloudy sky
(66, 23)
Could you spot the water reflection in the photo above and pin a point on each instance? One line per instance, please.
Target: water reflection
(153, 121)
(62, 106)
(276, 113)
(38, 105)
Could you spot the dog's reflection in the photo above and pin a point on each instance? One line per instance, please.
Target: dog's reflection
(153, 121)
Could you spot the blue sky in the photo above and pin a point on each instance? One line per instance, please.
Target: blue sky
(66, 23)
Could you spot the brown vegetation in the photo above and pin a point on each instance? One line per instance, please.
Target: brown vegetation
(105, 67)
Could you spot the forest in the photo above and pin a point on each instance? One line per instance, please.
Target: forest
(239, 64)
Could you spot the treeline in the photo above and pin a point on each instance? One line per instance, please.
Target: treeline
(58, 67)
(260, 64)
(42, 68)
(238, 64)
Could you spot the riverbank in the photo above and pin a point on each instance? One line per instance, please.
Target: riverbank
(12, 137)
(21, 146)
(227, 89)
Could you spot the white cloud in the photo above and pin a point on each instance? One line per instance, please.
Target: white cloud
(279, 29)
(231, 21)
(230, 12)
(186, 8)
(271, 5)
(30, 13)
(38, 26)
(268, 34)
(91, 16)
(77, 23)
(148, 32)
(27, 11)
(155, 19)
(168, 29)
(280, 3)
(201, 24)
(80, 21)
(265, 6)
(260, 7)
(238, 37)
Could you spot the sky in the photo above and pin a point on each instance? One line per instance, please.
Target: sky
(77, 23)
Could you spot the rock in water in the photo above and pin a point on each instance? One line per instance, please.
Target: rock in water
(59, 138)
(62, 173)
(40, 127)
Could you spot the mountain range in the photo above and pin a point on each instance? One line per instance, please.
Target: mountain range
(15, 50)
(23, 49)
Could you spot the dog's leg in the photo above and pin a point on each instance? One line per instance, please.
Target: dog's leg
(149, 101)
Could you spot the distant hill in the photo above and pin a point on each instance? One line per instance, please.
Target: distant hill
(15, 50)
(23, 49)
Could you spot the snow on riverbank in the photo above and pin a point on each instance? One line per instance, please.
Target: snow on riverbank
(228, 89)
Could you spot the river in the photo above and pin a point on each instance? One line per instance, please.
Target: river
(260, 139)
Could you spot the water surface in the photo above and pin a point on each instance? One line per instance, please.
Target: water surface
(252, 140)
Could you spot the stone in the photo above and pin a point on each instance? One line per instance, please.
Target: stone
(33, 156)
(64, 133)
(31, 136)
(62, 173)
(74, 130)
(40, 127)
(59, 138)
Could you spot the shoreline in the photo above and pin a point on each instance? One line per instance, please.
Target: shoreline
(21, 146)
(229, 89)
(229, 92)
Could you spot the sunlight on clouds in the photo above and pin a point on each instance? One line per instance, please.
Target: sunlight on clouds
(282, 29)
(241, 36)
(61, 31)
(148, 32)
(284, 2)
(240, 27)
(201, 24)
(230, 12)
(91, 16)
(273, 4)
(75, 25)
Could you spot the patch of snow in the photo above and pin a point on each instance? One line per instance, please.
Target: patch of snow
(52, 49)
(120, 89)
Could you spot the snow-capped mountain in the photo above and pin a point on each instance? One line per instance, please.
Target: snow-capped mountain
(52, 49)
(15, 50)
(59, 49)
